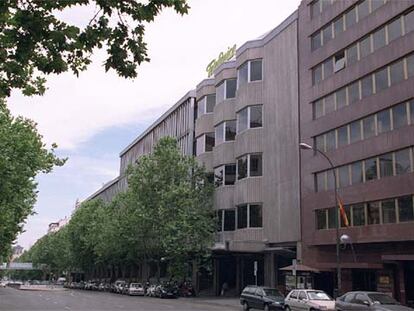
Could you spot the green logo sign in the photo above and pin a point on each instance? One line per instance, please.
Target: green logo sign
(223, 57)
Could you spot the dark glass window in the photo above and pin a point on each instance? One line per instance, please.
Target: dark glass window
(201, 107)
(255, 213)
(338, 26)
(328, 68)
(320, 181)
(220, 220)
(363, 9)
(342, 136)
(353, 92)
(369, 126)
(229, 220)
(384, 121)
(318, 109)
(230, 174)
(243, 74)
(343, 176)
(230, 129)
(399, 115)
(409, 22)
(200, 143)
(355, 131)
(327, 34)
(256, 116)
(219, 130)
(365, 47)
(341, 98)
(352, 54)
(410, 65)
(231, 86)
(373, 213)
(402, 162)
(381, 80)
(242, 216)
(356, 170)
(330, 140)
(329, 104)
(371, 169)
(366, 84)
(358, 215)
(320, 142)
(220, 92)
(397, 72)
(256, 70)
(330, 181)
(316, 41)
(210, 102)
(394, 30)
(379, 38)
(350, 18)
(321, 219)
(331, 218)
(242, 120)
(218, 176)
(242, 167)
(385, 162)
(255, 165)
(339, 61)
(405, 208)
(209, 141)
(388, 211)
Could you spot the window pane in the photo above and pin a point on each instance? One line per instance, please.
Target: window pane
(320, 182)
(255, 213)
(220, 92)
(363, 9)
(369, 127)
(352, 54)
(412, 111)
(353, 92)
(220, 220)
(330, 140)
(242, 120)
(211, 102)
(242, 167)
(350, 18)
(365, 47)
(325, 4)
(219, 132)
(409, 22)
(317, 74)
(385, 162)
(402, 162)
(343, 176)
(316, 41)
(347, 209)
(371, 169)
(375, 4)
(218, 176)
(321, 219)
(230, 174)
(255, 165)
(399, 115)
(388, 211)
(381, 80)
(242, 216)
(343, 136)
(327, 68)
(209, 141)
(201, 105)
(366, 84)
(373, 210)
(340, 98)
(320, 142)
(327, 34)
(355, 129)
(329, 104)
(394, 30)
(315, 9)
(200, 145)
(358, 215)
(256, 70)
(231, 86)
(242, 74)
(410, 65)
(379, 38)
(338, 26)
(229, 220)
(405, 208)
(330, 181)
(397, 72)
(384, 121)
(356, 170)
(230, 130)
(255, 116)
(318, 109)
(339, 61)
(331, 218)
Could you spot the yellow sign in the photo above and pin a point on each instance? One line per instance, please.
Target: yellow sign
(223, 57)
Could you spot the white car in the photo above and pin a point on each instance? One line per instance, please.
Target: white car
(2, 284)
(309, 300)
(136, 289)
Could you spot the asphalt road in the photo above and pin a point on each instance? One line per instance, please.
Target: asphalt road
(76, 300)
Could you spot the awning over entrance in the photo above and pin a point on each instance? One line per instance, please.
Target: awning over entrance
(301, 268)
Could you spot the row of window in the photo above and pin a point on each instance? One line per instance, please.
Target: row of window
(398, 210)
(370, 84)
(250, 71)
(244, 216)
(386, 120)
(317, 7)
(389, 164)
(367, 45)
(344, 21)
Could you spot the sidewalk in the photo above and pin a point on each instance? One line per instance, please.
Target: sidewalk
(233, 302)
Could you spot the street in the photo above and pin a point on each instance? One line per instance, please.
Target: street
(12, 299)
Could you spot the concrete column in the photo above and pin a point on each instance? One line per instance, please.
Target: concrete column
(238, 273)
(346, 280)
(269, 270)
(400, 293)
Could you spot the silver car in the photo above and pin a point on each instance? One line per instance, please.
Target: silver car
(136, 289)
(368, 301)
(308, 300)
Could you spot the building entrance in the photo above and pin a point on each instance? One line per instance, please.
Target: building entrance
(365, 280)
(409, 284)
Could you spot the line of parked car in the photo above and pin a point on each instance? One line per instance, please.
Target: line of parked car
(163, 290)
(264, 298)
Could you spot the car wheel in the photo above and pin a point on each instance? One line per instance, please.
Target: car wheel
(287, 308)
(266, 308)
(246, 306)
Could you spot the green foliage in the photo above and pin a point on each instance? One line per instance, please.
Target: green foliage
(22, 157)
(34, 42)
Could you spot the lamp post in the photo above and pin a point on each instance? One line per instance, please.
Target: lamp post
(337, 292)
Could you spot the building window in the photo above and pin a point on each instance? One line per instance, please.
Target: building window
(358, 215)
(225, 131)
(225, 175)
(371, 169)
(219, 131)
(357, 173)
(381, 80)
(249, 216)
(204, 143)
(331, 218)
(379, 38)
(384, 121)
(226, 89)
(249, 165)
(388, 211)
(250, 71)
(206, 104)
(399, 116)
(241, 216)
(409, 22)
(402, 162)
(369, 126)
(355, 131)
(226, 220)
(373, 213)
(249, 117)
(386, 166)
(394, 29)
(405, 209)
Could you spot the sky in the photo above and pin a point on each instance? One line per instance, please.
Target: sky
(93, 117)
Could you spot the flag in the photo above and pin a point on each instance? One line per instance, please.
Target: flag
(342, 212)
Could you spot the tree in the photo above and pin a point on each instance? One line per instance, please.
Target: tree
(34, 42)
(22, 157)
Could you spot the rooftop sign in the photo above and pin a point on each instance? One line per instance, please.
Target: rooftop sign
(223, 57)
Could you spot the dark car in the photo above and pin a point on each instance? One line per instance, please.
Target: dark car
(262, 298)
(368, 301)
(166, 291)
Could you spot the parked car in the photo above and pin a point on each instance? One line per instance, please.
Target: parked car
(308, 299)
(368, 301)
(262, 298)
(151, 290)
(3, 284)
(125, 288)
(118, 286)
(166, 291)
(136, 289)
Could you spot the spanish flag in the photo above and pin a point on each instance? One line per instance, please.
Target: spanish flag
(342, 212)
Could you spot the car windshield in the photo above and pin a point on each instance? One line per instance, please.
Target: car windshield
(272, 292)
(136, 285)
(318, 296)
(382, 299)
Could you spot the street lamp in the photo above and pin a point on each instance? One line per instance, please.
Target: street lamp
(305, 146)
